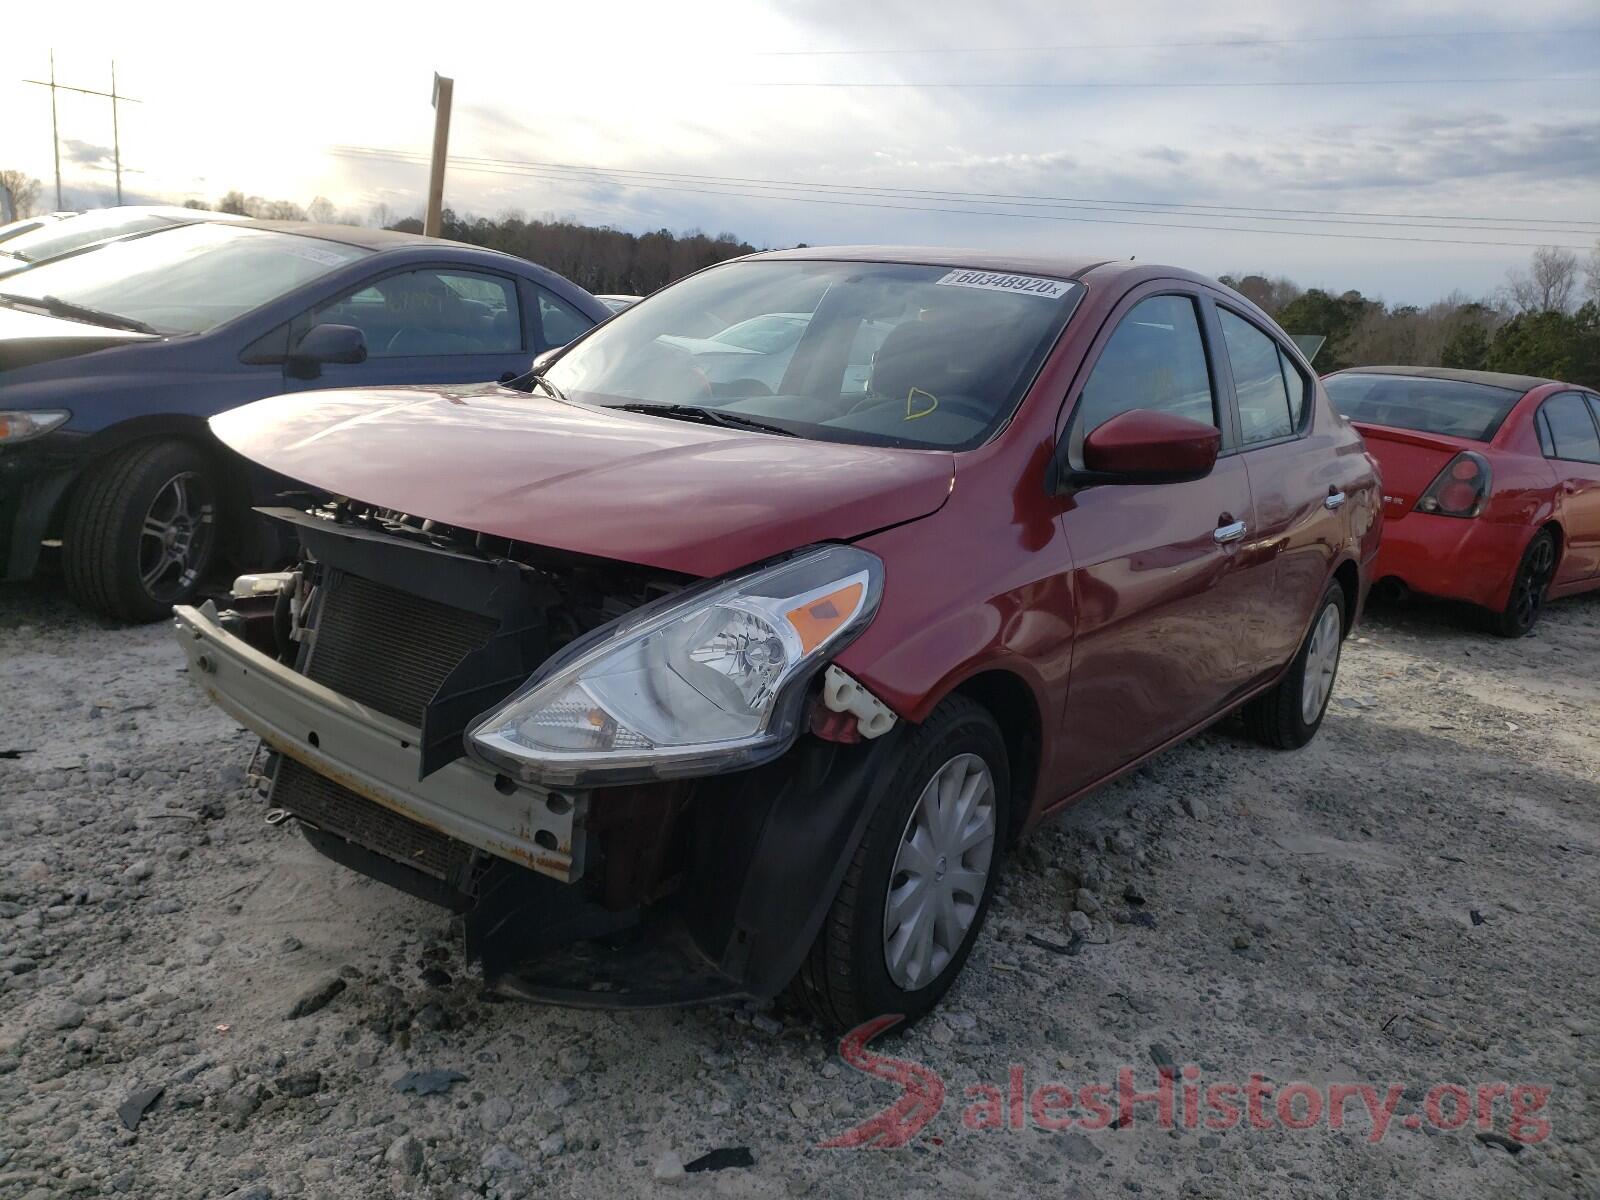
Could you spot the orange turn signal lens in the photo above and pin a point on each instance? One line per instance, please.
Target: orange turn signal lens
(815, 620)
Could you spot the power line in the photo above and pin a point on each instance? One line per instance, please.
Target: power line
(542, 173)
(1208, 42)
(1156, 208)
(1085, 85)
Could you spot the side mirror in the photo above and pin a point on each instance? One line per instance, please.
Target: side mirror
(1144, 446)
(323, 344)
(544, 359)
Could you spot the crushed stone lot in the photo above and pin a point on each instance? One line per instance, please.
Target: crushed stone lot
(195, 1004)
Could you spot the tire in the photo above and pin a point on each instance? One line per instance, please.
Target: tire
(141, 531)
(1289, 715)
(1534, 572)
(847, 977)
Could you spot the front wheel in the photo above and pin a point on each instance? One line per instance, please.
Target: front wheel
(141, 531)
(1289, 715)
(916, 892)
(1534, 572)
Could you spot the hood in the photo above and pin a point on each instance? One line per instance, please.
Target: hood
(689, 498)
(27, 338)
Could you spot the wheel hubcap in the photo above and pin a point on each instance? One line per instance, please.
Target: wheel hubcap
(1322, 661)
(940, 872)
(175, 540)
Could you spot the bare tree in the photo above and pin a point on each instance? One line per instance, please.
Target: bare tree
(1270, 293)
(1549, 285)
(380, 216)
(322, 211)
(1591, 274)
(233, 202)
(24, 189)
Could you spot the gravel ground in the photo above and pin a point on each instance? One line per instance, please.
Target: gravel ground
(1410, 900)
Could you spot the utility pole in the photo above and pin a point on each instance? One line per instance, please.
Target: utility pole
(55, 129)
(116, 135)
(442, 89)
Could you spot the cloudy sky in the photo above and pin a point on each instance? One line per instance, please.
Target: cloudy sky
(824, 121)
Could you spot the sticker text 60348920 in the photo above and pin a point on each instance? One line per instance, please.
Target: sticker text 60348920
(996, 281)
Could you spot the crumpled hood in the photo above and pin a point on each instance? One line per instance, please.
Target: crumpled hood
(28, 337)
(690, 498)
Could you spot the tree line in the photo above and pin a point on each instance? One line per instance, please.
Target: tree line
(598, 258)
(1544, 320)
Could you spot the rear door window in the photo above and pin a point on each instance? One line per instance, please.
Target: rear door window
(1270, 390)
(1572, 428)
(1156, 360)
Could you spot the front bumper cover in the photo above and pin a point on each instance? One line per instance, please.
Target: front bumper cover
(377, 757)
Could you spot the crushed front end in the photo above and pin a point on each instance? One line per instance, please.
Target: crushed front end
(401, 677)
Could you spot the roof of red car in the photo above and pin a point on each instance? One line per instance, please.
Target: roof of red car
(1059, 266)
(1499, 379)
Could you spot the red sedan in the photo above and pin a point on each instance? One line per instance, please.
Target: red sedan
(1491, 484)
(687, 665)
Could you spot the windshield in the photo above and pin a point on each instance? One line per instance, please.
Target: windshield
(876, 353)
(75, 232)
(187, 279)
(1449, 406)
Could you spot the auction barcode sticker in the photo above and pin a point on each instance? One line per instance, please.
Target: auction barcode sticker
(993, 281)
(328, 258)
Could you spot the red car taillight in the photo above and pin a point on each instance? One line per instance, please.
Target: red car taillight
(1460, 489)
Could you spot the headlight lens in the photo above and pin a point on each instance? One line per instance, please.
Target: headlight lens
(712, 680)
(20, 426)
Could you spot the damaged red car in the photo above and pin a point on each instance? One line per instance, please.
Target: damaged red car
(691, 667)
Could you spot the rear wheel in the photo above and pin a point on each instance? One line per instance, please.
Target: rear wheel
(141, 531)
(1534, 573)
(1288, 716)
(915, 895)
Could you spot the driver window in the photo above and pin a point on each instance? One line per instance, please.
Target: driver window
(425, 313)
(1156, 360)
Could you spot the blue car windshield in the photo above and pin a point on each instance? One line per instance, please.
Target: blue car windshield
(885, 354)
(187, 279)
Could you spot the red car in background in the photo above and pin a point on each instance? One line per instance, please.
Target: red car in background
(1491, 484)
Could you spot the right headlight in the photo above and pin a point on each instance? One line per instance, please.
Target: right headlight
(711, 681)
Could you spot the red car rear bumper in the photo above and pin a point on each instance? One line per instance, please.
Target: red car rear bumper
(1459, 558)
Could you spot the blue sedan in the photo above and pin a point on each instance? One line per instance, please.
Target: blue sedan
(111, 362)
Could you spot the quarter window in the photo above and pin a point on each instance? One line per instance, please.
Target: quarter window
(425, 313)
(559, 321)
(1572, 428)
(1270, 389)
(1156, 360)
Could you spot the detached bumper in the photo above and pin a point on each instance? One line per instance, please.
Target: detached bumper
(1455, 558)
(376, 756)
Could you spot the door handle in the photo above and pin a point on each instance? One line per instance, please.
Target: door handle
(1229, 533)
(1334, 500)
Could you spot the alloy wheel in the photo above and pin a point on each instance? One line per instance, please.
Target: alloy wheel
(175, 538)
(1322, 661)
(940, 873)
(1527, 595)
